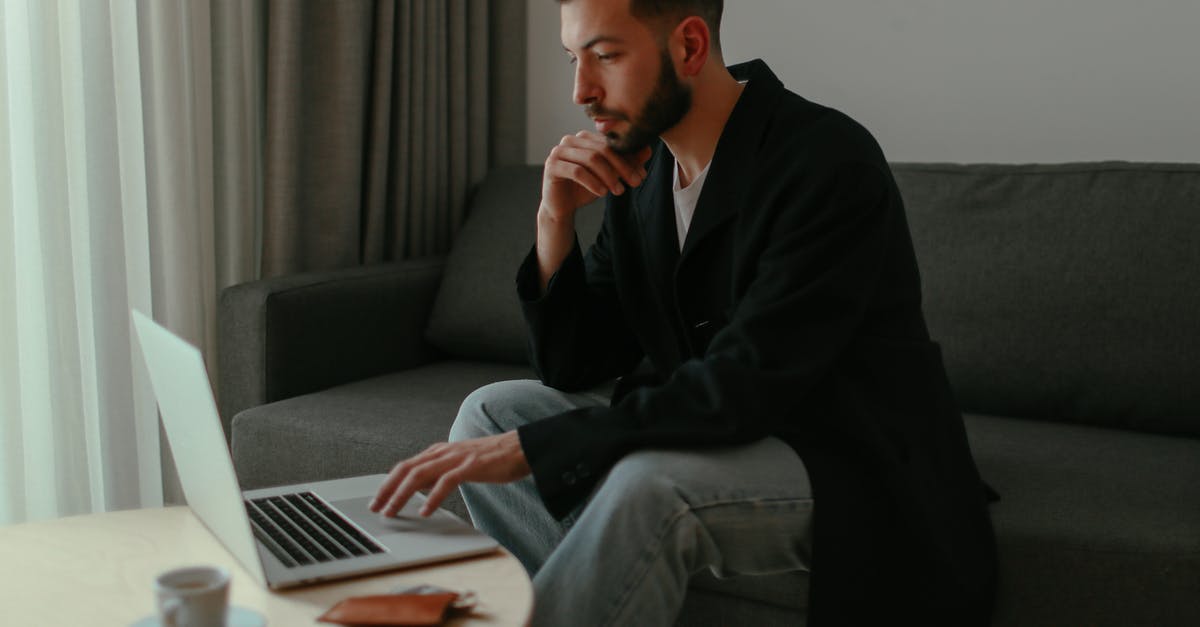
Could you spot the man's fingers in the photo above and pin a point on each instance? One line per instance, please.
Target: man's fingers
(583, 167)
(642, 156)
(444, 467)
(401, 471)
(400, 497)
(579, 174)
(631, 166)
(449, 481)
(625, 167)
(591, 161)
(393, 479)
(419, 477)
(591, 136)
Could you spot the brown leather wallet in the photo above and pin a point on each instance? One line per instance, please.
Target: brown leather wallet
(399, 610)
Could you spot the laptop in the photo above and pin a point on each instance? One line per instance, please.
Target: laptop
(289, 535)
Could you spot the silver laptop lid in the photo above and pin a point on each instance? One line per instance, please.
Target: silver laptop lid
(193, 428)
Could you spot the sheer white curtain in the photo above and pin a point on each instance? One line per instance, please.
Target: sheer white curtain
(114, 152)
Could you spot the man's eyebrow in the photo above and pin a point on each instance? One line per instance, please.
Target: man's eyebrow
(599, 40)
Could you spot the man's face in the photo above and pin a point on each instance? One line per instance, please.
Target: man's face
(624, 79)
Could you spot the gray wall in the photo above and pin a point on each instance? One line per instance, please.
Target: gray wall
(953, 80)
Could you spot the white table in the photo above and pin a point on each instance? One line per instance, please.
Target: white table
(99, 570)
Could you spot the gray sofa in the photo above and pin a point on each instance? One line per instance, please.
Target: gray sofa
(1066, 299)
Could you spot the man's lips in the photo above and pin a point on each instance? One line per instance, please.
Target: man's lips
(604, 125)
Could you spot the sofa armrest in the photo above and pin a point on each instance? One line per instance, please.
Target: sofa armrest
(287, 336)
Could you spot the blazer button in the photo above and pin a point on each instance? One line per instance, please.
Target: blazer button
(582, 471)
(569, 478)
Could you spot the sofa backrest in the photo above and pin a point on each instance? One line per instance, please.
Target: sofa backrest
(1058, 292)
(476, 314)
(1064, 292)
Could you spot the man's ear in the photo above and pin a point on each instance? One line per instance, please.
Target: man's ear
(693, 36)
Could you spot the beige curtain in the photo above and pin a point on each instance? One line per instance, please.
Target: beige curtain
(380, 116)
(202, 106)
(130, 143)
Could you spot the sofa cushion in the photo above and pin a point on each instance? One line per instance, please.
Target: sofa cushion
(1064, 292)
(359, 428)
(1097, 524)
(476, 314)
(1086, 516)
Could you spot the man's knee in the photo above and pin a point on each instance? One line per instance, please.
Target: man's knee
(492, 409)
(641, 480)
(768, 469)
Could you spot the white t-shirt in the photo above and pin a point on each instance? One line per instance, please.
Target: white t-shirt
(685, 201)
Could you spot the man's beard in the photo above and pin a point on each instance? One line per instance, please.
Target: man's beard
(666, 106)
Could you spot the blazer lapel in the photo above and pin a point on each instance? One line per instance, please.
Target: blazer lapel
(654, 207)
(733, 162)
(721, 199)
(655, 210)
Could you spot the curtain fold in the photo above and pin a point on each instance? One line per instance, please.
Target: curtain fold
(381, 115)
(153, 152)
(202, 103)
(125, 182)
(74, 435)
(238, 56)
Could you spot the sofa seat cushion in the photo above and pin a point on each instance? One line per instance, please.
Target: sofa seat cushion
(1087, 517)
(359, 428)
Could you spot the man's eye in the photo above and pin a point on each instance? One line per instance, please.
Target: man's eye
(606, 57)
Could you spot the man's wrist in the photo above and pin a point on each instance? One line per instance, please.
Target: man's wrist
(518, 452)
(555, 238)
(555, 220)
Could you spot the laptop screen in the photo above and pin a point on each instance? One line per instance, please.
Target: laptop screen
(193, 428)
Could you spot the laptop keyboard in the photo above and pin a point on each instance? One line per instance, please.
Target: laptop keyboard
(300, 530)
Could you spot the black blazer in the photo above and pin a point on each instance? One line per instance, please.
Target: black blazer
(793, 310)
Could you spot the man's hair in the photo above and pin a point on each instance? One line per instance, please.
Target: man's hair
(670, 13)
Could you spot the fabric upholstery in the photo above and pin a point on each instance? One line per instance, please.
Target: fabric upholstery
(359, 428)
(291, 335)
(1064, 292)
(1085, 512)
(1101, 525)
(476, 314)
(1061, 295)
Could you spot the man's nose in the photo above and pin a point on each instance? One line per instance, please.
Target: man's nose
(586, 89)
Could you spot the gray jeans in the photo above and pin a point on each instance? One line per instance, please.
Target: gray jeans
(625, 557)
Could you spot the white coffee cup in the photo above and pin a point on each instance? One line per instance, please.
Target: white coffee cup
(196, 596)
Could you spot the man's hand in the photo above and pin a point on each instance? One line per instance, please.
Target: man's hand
(446, 465)
(583, 167)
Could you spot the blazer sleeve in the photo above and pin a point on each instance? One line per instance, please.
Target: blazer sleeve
(578, 337)
(814, 282)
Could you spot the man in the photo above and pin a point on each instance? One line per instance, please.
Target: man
(780, 406)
